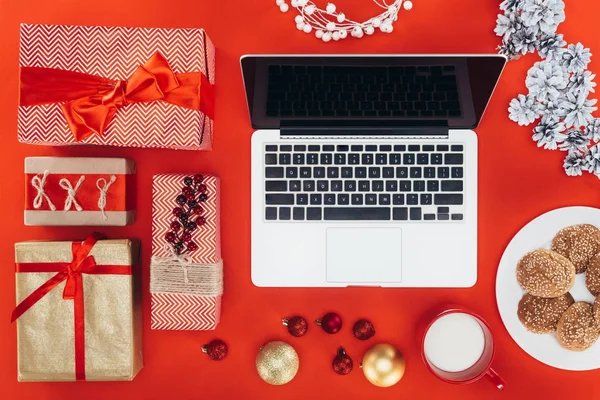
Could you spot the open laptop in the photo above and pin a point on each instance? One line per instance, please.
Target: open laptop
(364, 168)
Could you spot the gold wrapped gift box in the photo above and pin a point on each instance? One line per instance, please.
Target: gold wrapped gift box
(112, 325)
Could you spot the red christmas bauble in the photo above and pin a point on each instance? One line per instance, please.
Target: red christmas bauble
(296, 326)
(342, 363)
(363, 329)
(216, 350)
(331, 322)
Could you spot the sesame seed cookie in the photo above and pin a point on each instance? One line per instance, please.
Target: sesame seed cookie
(541, 315)
(596, 310)
(577, 329)
(544, 273)
(592, 275)
(579, 243)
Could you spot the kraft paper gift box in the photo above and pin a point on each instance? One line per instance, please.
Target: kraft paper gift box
(186, 283)
(79, 191)
(116, 86)
(78, 311)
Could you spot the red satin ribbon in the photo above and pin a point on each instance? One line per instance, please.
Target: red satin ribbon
(90, 101)
(82, 263)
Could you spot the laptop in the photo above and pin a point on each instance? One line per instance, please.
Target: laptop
(364, 168)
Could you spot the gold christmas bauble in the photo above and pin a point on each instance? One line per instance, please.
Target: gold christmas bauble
(277, 363)
(383, 365)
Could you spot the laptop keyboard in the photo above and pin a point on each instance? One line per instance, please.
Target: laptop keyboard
(364, 182)
(337, 91)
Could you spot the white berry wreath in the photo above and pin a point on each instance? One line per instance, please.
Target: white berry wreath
(329, 24)
(559, 85)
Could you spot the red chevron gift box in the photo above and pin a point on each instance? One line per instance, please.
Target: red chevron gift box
(186, 272)
(116, 86)
(78, 310)
(79, 191)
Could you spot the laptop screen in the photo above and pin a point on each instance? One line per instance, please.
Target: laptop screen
(369, 90)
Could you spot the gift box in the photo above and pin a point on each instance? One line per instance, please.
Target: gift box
(79, 191)
(186, 272)
(79, 310)
(116, 86)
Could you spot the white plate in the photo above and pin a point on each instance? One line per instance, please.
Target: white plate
(538, 234)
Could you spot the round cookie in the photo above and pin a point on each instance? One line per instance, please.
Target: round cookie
(544, 273)
(577, 329)
(578, 243)
(592, 275)
(541, 315)
(596, 310)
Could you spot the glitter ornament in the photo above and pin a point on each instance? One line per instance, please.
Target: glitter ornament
(342, 363)
(331, 19)
(216, 350)
(331, 323)
(363, 329)
(277, 363)
(296, 326)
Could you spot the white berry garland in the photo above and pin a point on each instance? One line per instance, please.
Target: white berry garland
(329, 24)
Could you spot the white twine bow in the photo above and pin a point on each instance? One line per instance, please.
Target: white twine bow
(39, 183)
(103, 187)
(183, 260)
(71, 192)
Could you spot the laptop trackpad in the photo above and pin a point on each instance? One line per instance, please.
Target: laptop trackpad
(364, 255)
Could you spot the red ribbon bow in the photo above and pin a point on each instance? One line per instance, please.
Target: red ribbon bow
(90, 101)
(82, 263)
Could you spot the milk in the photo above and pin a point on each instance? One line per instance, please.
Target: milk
(454, 342)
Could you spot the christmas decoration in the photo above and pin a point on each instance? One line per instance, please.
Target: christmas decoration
(330, 24)
(342, 363)
(216, 349)
(277, 363)
(296, 326)
(331, 323)
(363, 329)
(559, 86)
(383, 365)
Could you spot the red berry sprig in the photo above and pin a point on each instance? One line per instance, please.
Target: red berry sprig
(189, 215)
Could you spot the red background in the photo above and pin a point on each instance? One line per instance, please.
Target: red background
(517, 183)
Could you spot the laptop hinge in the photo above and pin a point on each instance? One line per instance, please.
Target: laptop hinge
(360, 131)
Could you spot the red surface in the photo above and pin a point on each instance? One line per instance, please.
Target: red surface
(517, 183)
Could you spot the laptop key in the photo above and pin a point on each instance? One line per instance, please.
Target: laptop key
(276, 186)
(326, 158)
(274, 172)
(357, 214)
(336, 186)
(377, 186)
(412, 199)
(291, 172)
(298, 214)
(316, 199)
(343, 199)
(391, 186)
(433, 186)
(328, 147)
(277, 199)
(436, 159)
(401, 172)
(405, 186)
(419, 186)
(384, 199)
(319, 172)
(295, 186)
(387, 172)
(443, 217)
(301, 199)
(305, 172)
(422, 158)
(457, 172)
(447, 199)
(367, 158)
(333, 172)
(271, 213)
(398, 199)
(285, 213)
(442, 147)
(429, 172)
(357, 199)
(395, 159)
(415, 214)
(452, 186)
(408, 159)
(298, 159)
(370, 199)
(453, 159)
(428, 147)
(285, 147)
(426, 199)
(354, 158)
(429, 217)
(360, 172)
(329, 199)
(381, 159)
(443, 210)
(346, 172)
(270, 159)
(312, 158)
(271, 147)
(371, 147)
(356, 147)
(313, 214)
(374, 172)
(350, 186)
(308, 186)
(457, 217)
(339, 159)
(415, 172)
(285, 159)
(322, 186)
(400, 213)
(443, 172)
(456, 147)
(314, 147)
(364, 186)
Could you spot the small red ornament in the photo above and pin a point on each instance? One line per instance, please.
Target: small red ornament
(177, 211)
(197, 210)
(296, 326)
(200, 221)
(342, 363)
(198, 178)
(191, 226)
(216, 350)
(331, 322)
(187, 191)
(175, 226)
(191, 246)
(363, 329)
(181, 199)
(186, 237)
(190, 197)
(170, 237)
(202, 188)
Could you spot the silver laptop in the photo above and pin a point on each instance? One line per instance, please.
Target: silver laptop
(364, 168)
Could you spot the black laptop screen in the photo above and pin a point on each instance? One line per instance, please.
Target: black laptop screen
(384, 91)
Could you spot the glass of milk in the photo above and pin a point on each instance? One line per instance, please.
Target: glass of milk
(458, 346)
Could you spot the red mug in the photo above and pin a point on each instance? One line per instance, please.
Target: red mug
(482, 367)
